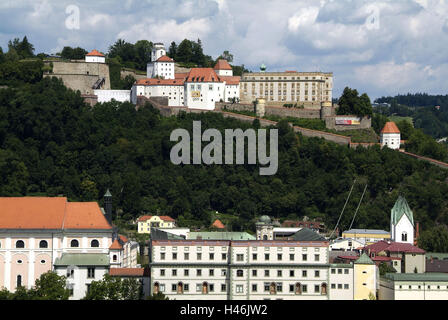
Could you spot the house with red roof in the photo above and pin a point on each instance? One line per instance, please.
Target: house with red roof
(146, 222)
(142, 275)
(390, 136)
(95, 56)
(217, 224)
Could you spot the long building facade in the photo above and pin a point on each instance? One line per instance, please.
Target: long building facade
(249, 270)
(290, 87)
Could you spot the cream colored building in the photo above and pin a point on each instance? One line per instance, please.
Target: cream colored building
(290, 87)
(365, 272)
(414, 286)
(366, 236)
(145, 223)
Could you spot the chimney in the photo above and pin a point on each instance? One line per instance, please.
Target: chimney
(108, 206)
(417, 232)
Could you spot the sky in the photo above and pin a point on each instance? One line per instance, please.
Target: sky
(378, 47)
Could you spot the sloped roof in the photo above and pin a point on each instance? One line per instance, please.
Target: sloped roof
(427, 276)
(83, 259)
(50, 213)
(306, 234)
(218, 224)
(222, 64)
(157, 234)
(160, 82)
(116, 245)
(364, 259)
(393, 247)
(400, 208)
(165, 58)
(95, 53)
(390, 127)
(202, 75)
(164, 218)
(129, 272)
(231, 80)
(220, 235)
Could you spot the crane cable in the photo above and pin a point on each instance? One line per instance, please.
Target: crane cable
(359, 204)
(343, 209)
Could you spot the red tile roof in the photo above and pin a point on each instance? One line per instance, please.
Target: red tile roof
(231, 80)
(164, 218)
(129, 272)
(50, 213)
(165, 59)
(95, 54)
(390, 127)
(222, 64)
(160, 82)
(123, 238)
(392, 247)
(181, 75)
(202, 75)
(116, 245)
(218, 224)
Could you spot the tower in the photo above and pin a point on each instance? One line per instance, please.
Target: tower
(158, 50)
(365, 281)
(390, 136)
(265, 228)
(402, 222)
(108, 206)
(262, 68)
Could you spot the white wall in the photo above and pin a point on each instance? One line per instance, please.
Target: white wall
(341, 277)
(209, 94)
(79, 280)
(391, 140)
(95, 59)
(404, 225)
(108, 95)
(163, 69)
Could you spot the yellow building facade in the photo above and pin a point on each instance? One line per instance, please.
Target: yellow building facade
(366, 236)
(365, 278)
(145, 223)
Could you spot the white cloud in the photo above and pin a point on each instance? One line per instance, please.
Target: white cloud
(304, 17)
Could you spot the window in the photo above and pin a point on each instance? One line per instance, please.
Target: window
(266, 273)
(266, 256)
(43, 244)
(239, 288)
(333, 286)
(316, 288)
(279, 256)
(199, 256)
(162, 256)
(186, 256)
(174, 256)
(174, 287)
(279, 273)
(266, 286)
(42, 261)
(186, 287)
(162, 272)
(346, 271)
(223, 272)
(198, 272)
(404, 236)
(254, 273)
(239, 273)
(74, 243)
(254, 256)
(291, 273)
(316, 257)
(174, 272)
(304, 288)
(20, 244)
(212, 256)
(304, 273)
(224, 256)
(339, 285)
(291, 257)
(186, 272)
(333, 271)
(339, 271)
(90, 272)
(316, 273)
(279, 287)
(223, 288)
(345, 286)
(254, 288)
(19, 281)
(304, 257)
(240, 257)
(211, 272)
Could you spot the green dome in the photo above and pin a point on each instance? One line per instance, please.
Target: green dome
(265, 219)
(263, 67)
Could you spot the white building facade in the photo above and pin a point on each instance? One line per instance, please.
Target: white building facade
(390, 136)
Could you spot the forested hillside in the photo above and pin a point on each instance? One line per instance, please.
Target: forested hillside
(53, 144)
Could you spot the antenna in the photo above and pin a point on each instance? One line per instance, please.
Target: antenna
(343, 209)
(358, 207)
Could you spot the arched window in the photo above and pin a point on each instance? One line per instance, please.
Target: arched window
(19, 281)
(20, 244)
(204, 287)
(273, 288)
(265, 237)
(298, 289)
(180, 288)
(323, 289)
(74, 243)
(156, 288)
(239, 273)
(114, 258)
(404, 236)
(43, 244)
(94, 244)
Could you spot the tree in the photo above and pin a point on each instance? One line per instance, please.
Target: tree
(351, 103)
(434, 239)
(73, 53)
(172, 51)
(114, 288)
(51, 286)
(386, 268)
(226, 55)
(197, 53)
(157, 296)
(185, 51)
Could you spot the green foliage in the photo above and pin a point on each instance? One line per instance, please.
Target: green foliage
(23, 49)
(73, 53)
(422, 144)
(158, 296)
(52, 143)
(434, 239)
(386, 268)
(226, 55)
(351, 103)
(378, 122)
(114, 288)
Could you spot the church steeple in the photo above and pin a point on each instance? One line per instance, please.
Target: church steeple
(402, 222)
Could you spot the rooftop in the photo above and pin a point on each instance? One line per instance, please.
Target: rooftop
(202, 75)
(50, 213)
(400, 208)
(390, 127)
(306, 234)
(218, 224)
(393, 247)
(129, 272)
(83, 259)
(95, 53)
(364, 259)
(432, 276)
(220, 235)
(222, 64)
(160, 82)
(367, 231)
(165, 59)
(164, 218)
